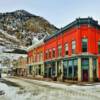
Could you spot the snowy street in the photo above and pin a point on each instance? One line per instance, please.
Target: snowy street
(27, 89)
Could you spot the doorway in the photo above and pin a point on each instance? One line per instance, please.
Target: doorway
(85, 69)
(85, 75)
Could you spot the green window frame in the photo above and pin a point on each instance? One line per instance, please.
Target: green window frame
(94, 63)
(85, 63)
(99, 47)
(75, 65)
(70, 68)
(84, 44)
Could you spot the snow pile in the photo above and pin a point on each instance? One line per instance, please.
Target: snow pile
(11, 93)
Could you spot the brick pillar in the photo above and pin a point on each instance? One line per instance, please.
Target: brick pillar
(79, 70)
(55, 68)
(42, 69)
(33, 71)
(61, 69)
(97, 69)
(90, 69)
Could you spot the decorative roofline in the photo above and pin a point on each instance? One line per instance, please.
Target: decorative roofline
(79, 21)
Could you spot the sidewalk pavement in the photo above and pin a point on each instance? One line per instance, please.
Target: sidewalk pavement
(49, 82)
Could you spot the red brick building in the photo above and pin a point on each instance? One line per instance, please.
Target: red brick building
(72, 53)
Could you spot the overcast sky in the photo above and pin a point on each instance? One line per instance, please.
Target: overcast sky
(57, 12)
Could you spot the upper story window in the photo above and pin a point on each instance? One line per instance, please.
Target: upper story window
(38, 58)
(47, 54)
(41, 56)
(73, 47)
(84, 44)
(53, 52)
(66, 49)
(99, 47)
(50, 53)
(35, 57)
(59, 50)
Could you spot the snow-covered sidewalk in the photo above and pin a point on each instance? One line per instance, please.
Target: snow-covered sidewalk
(51, 84)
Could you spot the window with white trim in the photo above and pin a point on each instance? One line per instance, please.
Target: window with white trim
(59, 51)
(66, 49)
(73, 47)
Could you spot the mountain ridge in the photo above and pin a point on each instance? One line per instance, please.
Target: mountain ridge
(24, 26)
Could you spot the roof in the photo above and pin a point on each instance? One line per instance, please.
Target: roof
(35, 45)
(17, 51)
(77, 22)
(34, 40)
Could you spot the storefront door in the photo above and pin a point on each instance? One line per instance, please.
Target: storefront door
(65, 69)
(85, 69)
(85, 75)
(30, 69)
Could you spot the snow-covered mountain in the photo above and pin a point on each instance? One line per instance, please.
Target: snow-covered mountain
(8, 41)
(20, 27)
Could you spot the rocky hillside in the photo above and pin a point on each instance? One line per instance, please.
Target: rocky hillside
(23, 26)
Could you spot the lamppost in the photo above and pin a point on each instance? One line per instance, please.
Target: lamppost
(0, 68)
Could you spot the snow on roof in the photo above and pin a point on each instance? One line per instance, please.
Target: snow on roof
(34, 40)
(38, 43)
(35, 45)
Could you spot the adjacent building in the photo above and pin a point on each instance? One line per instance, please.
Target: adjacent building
(19, 66)
(36, 59)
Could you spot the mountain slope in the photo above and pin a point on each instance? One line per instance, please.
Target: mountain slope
(25, 26)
